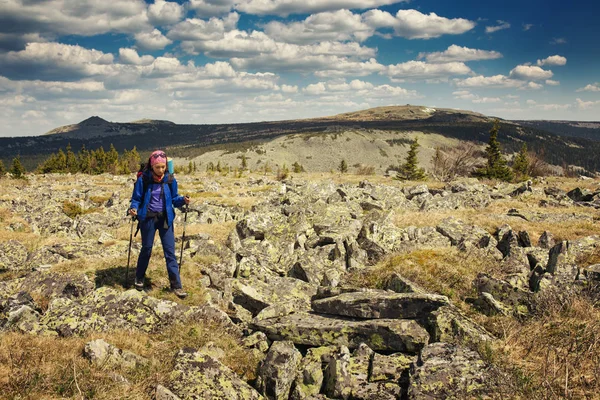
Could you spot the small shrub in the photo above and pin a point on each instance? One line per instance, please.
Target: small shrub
(365, 170)
(72, 210)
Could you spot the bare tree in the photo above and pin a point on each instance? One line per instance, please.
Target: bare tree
(451, 162)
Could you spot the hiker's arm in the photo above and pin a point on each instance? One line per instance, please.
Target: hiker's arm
(178, 200)
(137, 195)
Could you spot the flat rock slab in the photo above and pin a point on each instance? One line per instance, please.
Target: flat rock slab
(106, 309)
(319, 330)
(200, 376)
(376, 305)
(449, 371)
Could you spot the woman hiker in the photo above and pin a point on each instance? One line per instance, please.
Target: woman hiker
(153, 201)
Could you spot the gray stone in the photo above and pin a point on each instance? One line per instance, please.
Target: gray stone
(449, 371)
(278, 371)
(316, 330)
(106, 355)
(199, 376)
(371, 305)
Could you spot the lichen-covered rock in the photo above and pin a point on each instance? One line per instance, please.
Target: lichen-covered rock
(21, 313)
(448, 371)
(257, 340)
(106, 355)
(377, 391)
(517, 299)
(448, 324)
(199, 376)
(162, 393)
(400, 284)
(255, 295)
(13, 255)
(317, 330)
(546, 240)
(349, 376)
(313, 265)
(278, 371)
(52, 285)
(310, 376)
(466, 236)
(394, 367)
(372, 305)
(107, 309)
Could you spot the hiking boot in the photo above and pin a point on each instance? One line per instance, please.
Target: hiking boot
(180, 293)
(139, 285)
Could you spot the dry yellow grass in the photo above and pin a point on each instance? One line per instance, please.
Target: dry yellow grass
(217, 231)
(50, 367)
(495, 215)
(555, 354)
(445, 271)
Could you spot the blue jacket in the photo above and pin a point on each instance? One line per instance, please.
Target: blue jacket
(139, 200)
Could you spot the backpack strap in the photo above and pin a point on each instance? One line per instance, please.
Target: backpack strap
(146, 181)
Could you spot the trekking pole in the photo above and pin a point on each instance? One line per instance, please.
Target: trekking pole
(129, 253)
(183, 236)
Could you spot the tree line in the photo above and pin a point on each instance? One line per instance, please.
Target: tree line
(91, 162)
(448, 163)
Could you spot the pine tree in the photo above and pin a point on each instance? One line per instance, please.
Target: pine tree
(99, 160)
(410, 169)
(244, 162)
(61, 161)
(71, 164)
(190, 167)
(496, 167)
(521, 163)
(84, 159)
(2, 169)
(112, 160)
(343, 167)
(297, 167)
(16, 169)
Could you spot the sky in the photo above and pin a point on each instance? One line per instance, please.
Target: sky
(232, 61)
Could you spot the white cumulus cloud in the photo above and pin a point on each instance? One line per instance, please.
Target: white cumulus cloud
(551, 82)
(584, 105)
(82, 17)
(287, 7)
(153, 40)
(165, 12)
(501, 25)
(412, 24)
(591, 87)
(195, 29)
(211, 8)
(423, 70)
(460, 54)
(553, 60)
(131, 56)
(530, 72)
(496, 81)
(337, 25)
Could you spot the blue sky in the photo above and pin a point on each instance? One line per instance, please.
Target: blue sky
(227, 61)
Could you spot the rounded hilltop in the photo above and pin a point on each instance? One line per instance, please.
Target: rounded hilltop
(408, 112)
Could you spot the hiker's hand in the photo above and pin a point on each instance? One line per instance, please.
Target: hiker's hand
(186, 199)
(133, 212)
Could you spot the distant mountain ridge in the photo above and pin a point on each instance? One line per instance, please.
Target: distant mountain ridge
(95, 127)
(392, 125)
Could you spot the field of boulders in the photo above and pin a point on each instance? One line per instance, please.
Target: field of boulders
(314, 287)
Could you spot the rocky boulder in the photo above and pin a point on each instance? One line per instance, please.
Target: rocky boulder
(278, 371)
(199, 376)
(317, 330)
(448, 371)
(372, 305)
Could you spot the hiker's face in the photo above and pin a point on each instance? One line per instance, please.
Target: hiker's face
(159, 169)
